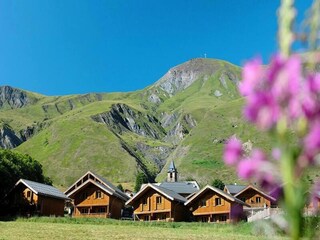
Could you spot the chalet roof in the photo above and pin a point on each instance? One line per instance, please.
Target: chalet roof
(171, 195)
(187, 187)
(99, 181)
(172, 167)
(42, 189)
(218, 191)
(256, 189)
(234, 188)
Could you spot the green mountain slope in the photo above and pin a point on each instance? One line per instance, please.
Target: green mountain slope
(186, 116)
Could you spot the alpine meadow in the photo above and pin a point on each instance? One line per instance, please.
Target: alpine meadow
(185, 116)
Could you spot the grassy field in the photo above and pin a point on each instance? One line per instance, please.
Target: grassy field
(68, 228)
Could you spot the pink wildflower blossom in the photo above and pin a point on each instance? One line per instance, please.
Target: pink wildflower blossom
(251, 75)
(233, 151)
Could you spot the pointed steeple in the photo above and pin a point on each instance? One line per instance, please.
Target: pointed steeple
(172, 167)
(172, 173)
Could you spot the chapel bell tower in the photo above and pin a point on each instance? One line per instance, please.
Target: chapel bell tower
(172, 173)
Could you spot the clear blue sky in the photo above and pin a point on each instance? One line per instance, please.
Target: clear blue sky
(64, 47)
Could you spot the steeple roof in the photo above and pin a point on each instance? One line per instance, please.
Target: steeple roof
(172, 167)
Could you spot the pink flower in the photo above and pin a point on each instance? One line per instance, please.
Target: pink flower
(312, 140)
(233, 151)
(245, 168)
(276, 153)
(251, 76)
(262, 110)
(286, 78)
(313, 83)
(250, 166)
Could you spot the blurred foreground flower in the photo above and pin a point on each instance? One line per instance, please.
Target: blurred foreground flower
(280, 99)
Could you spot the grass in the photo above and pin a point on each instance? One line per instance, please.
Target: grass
(73, 228)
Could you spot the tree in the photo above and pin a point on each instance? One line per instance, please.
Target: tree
(120, 187)
(140, 179)
(14, 166)
(218, 184)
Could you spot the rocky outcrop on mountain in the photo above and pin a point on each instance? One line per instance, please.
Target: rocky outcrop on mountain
(8, 138)
(182, 76)
(157, 154)
(30, 131)
(178, 126)
(122, 118)
(13, 97)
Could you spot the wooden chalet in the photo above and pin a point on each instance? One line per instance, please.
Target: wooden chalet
(153, 202)
(256, 198)
(214, 205)
(32, 198)
(94, 196)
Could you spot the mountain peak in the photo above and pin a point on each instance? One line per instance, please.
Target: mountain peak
(183, 75)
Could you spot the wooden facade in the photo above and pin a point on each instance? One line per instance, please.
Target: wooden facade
(256, 198)
(153, 203)
(214, 205)
(93, 196)
(30, 198)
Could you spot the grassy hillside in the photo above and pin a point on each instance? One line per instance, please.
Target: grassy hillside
(186, 116)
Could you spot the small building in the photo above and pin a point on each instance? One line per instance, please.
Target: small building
(32, 198)
(214, 205)
(153, 202)
(256, 198)
(94, 196)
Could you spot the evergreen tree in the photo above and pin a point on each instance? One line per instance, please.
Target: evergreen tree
(120, 187)
(218, 184)
(140, 179)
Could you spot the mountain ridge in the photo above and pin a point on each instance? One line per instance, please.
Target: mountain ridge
(119, 134)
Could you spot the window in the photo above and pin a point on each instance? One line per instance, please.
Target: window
(158, 200)
(217, 201)
(84, 210)
(258, 199)
(98, 194)
(101, 210)
(203, 203)
(28, 194)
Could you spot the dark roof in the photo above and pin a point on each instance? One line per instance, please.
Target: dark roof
(181, 187)
(220, 192)
(42, 189)
(172, 167)
(234, 188)
(173, 196)
(98, 181)
(176, 196)
(110, 185)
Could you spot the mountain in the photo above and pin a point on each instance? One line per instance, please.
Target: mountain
(185, 116)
